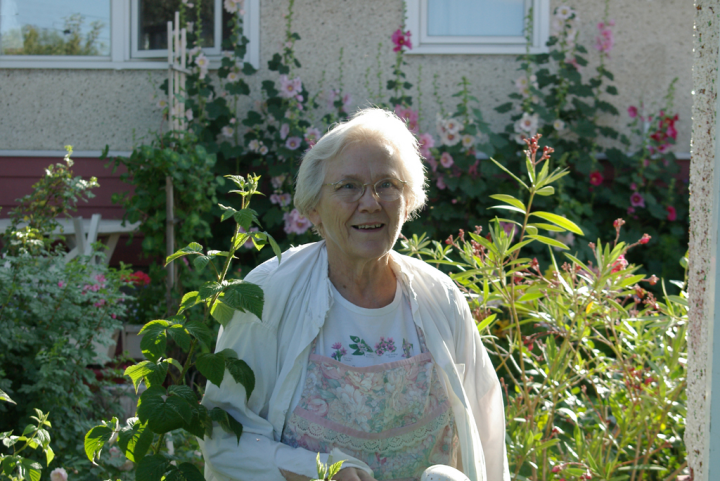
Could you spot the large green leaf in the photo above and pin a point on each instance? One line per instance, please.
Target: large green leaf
(180, 335)
(245, 218)
(209, 289)
(201, 332)
(559, 220)
(245, 297)
(212, 366)
(33, 469)
(5, 397)
(189, 300)
(242, 374)
(96, 438)
(137, 372)
(549, 241)
(508, 199)
(227, 422)
(154, 340)
(163, 414)
(152, 468)
(222, 312)
(184, 472)
(135, 440)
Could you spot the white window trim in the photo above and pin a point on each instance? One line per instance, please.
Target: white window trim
(120, 57)
(415, 21)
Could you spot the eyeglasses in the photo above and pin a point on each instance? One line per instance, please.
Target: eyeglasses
(387, 190)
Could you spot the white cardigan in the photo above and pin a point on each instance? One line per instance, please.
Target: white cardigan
(297, 299)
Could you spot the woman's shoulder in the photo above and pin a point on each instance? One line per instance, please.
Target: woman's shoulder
(288, 261)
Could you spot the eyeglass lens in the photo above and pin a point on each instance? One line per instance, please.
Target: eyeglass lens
(385, 189)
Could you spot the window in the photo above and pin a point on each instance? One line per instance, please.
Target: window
(476, 26)
(109, 34)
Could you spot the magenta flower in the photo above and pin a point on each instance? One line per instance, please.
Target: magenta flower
(293, 143)
(425, 143)
(604, 42)
(337, 345)
(633, 186)
(671, 213)
(410, 117)
(401, 40)
(446, 160)
(632, 111)
(61, 284)
(637, 200)
(596, 178)
(619, 264)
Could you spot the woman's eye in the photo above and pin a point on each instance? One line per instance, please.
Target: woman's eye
(348, 186)
(385, 184)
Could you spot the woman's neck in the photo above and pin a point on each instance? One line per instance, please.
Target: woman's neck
(369, 284)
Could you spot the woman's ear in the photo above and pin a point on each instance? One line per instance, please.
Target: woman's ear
(314, 217)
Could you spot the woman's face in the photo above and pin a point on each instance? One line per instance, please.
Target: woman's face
(367, 228)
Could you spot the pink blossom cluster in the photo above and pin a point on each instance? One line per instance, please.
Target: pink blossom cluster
(281, 199)
(291, 88)
(605, 41)
(312, 135)
(346, 99)
(385, 345)
(410, 117)
(401, 40)
(295, 223)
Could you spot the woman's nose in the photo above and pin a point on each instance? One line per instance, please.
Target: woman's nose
(369, 201)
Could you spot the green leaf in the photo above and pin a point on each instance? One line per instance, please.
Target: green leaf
(228, 212)
(245, 218)
(549, 241)
(184, 472)
(138, 371)
(180, 335)
(631, 280)
(212, 366)
(152, 468)
(275, 247)
(49, 455)
(135, 440)
(154, 340)
(510, 173)
(209, 289)
(508, 199)
(33, 469)
(507, 207)
(545, 191)
(227, 422)
(245, 297)
(678, 300)
(560, 221)
(201, 332)
(5, 397)
(163, 415)
(200, 262)
(95, 439)
(222, 313)
(548, 227)
(486, 322)
(189, 300)
(191, 248)
(242, 374)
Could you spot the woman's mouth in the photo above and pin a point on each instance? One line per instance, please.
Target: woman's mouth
(369, 227)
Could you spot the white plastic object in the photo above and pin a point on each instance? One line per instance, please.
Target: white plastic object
(440, 472)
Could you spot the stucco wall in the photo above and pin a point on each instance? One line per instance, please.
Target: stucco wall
(45, 109)
(702, 273)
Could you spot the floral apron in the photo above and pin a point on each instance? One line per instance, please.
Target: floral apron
(396, 416)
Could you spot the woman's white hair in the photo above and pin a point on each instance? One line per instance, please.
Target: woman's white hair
(372, 125)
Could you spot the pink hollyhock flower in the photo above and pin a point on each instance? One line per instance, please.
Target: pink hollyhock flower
(631, 210)
(401, 40)
(632, 111)
(671, 213)
(440, 183)
(293, 143)
(425, 143)
(604, 42)
(284, 131)
(312, 135)
(619, 264)
(295, 223)
(58, 474)
(61, 284)
(646, 162)
(278, 181)
(289, 88)
(433, 163)
(637, 200)
(446, 160)
(347, 102)
(281, 199)
(410, 117)
(99, 303)
(596, 178)
(671, 132)
(633, 186)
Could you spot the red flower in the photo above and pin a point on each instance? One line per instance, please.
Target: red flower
(671, 213)
(619, 264)
(401, 40)
(671, 132)
(138, 278)
(596, 178)
(645, 239)
(632, 111)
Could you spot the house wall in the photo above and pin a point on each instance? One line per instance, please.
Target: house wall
(46, 109)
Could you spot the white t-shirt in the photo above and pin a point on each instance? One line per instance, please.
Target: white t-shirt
(362, 337)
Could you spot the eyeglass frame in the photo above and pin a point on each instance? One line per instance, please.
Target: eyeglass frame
(364, 186)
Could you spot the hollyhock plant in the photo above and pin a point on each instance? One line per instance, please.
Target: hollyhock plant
(312, 135)
(446, 160)
(596, 178)
(671, 213)
(632, 111)
(290, 88)
(284, 131)
(293, 143)
(604, 42)
(410, 117)
(637, 200)
(282, 199)
(425, 143)
(295, 223)
(401, 40)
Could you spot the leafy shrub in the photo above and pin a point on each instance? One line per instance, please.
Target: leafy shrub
(593, 365)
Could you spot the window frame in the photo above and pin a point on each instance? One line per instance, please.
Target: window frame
(416, 22)
(121, 54)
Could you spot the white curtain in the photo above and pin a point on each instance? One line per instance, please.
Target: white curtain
(476, 17)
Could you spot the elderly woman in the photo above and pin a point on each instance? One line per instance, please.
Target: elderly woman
(363, 355)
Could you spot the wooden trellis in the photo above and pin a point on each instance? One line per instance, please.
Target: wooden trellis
(177, 71)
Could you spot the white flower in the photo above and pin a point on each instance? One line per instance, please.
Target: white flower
(254, 145)
(202, 61)
(232, 77)
(227, 54)
(564, 12)
(527, 123)
(522, 83)
(233, 6)
(556, 25)
(450, 138)
(227, 131)
(263, 150)
(58, 474)
(468, 141)
(559, 125)
(161, 104)
(518, 138)
(189, 114)
(453, 125)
